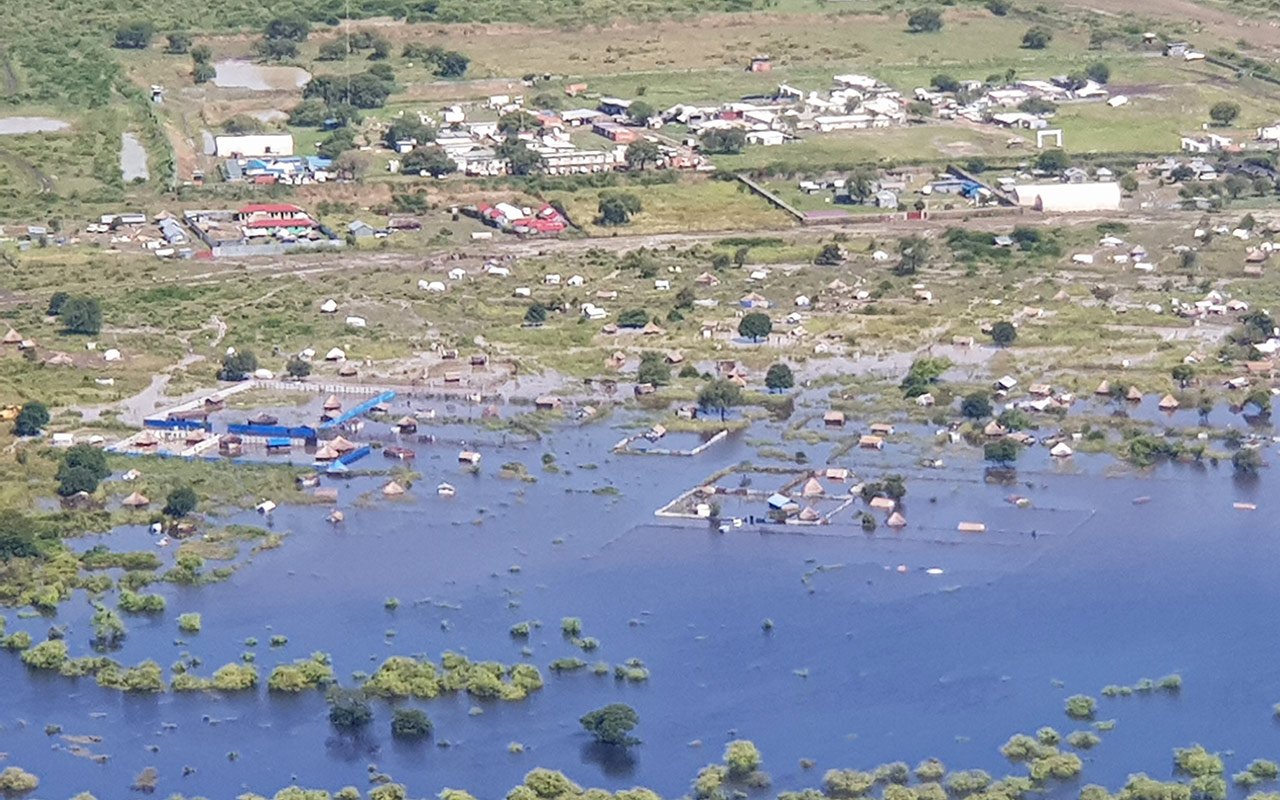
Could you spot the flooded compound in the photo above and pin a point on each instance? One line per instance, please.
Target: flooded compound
(236, 74)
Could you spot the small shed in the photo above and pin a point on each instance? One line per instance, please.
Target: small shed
(1061, 450)
(548, 403)
(407, 424)
(881, 429)
(870, 442)
(971, 527)
(833, 419)
(469, 457)
(882, 504)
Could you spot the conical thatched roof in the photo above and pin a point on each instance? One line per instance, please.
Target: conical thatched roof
(135, 500)
(896, 520)
(813, 488)
(1134, 394)
(809, 514)
(12, 337)
(326, 453)
(393, 489)
(343, 445)
(1103, 388)
(59, 360)
(332, 403)
(1169, 402)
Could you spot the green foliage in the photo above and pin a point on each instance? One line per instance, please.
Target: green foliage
(976, 405)
(181, 502)
(410, 723)
(755, 326)
(307, 673)
(612, 724)
(81, 315)
(237, 365)
(779, 378)
(924, 20)
(407, 677)
(17, 536)
(431, 161)
(520, 159)
(931, 770)
(1081, 706)
(1098, 72)
(742, 758)
(349, 709)
(719, 395)
(1246, 461)
(1224, 112)
(633, 318)
(189, 623)
(108, 629)
(923, 374)
(653, 369)
(134, 35)
(1084, 740)
(1002, 451)
(1037, 37)
(31, 419)
(967, 782)
(297, 367)
(617, 208)
(719, 141)
(49, 654)
(1197, 762)
(641, 153)
(1052, 161)
(15, 781)
(235, 678)
(1003, 333)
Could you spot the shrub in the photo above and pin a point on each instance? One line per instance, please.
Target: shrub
(189, 623)
(410, 723)
(1081, 706)
(924, 20)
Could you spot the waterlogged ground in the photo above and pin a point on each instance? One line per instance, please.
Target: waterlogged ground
(865, 663)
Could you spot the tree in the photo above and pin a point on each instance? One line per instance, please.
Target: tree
(452, 64)
(945, 83)
(181, 502)
(617, 208)
(612, 724)
(633, 318)
(74, 480)
(1052, 161)
(276, 49)
(1098, 72)
(410, 723)
(409, 128)
(924, 20)
(349, 709)
(976, 405)
(724, 142)
(1002, 451)
(914, 252)
(720, 395)
(779, 377)
(1129, 183)
(520, 159)
(829, 256)
(535, 314)
(431, 161)
(56, 301)
(514, 122)
(81, 315)
(309, 114)
(294, 28)
(17, 535)
(1246, 461)
(640, 112)
(755, 326)
(641, 153)
(1038, 106)
(237, 365)
(1183, 374)
(333, 50)
(337, 143)
(1224, 113)
(999, 7)
(31, 419)
(742, 758)
(654, 369)
(179, 43)
(1003, 333)
(134, 35)
(298, 368)
(1037, 37)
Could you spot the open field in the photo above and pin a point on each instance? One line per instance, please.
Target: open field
(698, 205)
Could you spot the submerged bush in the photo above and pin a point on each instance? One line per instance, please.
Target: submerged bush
(1081, 706)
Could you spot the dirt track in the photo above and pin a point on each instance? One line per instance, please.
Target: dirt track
(1221, 24)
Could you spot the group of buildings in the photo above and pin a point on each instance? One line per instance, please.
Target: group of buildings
(260, 229)
(268, 158)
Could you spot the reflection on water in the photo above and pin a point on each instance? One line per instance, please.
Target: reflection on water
(235, 74)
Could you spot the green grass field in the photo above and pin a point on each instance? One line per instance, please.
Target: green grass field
(698, 205)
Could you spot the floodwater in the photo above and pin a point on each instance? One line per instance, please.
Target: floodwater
(236, 74)
(133, 158)
(866, 662)
(13, 126)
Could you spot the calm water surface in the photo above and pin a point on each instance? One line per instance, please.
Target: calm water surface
(866, 664)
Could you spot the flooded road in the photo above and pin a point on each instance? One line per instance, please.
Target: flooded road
(872, 656)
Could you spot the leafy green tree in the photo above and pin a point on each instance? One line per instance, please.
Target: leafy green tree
(742, 758)
(134, 35)
(452, 64)
(1098, 72)
(976, 405)
(514, 122)
(633, 318)
(1052, 161)
(535, 314)
(336, 143)
(640, 112)
(309, 114)
(1183, 374)
(755, 326)
(924, 20)
(349, 709)
(1081, 706)
(31, 419)
(641, 153)
(1224, 112)
(945, 83)
(520, 159)
(1003, 333)
(87, 456)
(276, 49)
(237, 365)
(74, 480)
(724, 142)
(81, 315)
(914, 253)
(779, 377)
(179, 43)
(298, 367)
(410, 723)
(333, 50)
(1001, 451)
(430, 160)
(720, 395)
(1037, 38)
(408, 128)
(17, 535)
(1246, 461)
(1129, 184)
(999, 7)
(924, 372)
(612, 724)
(617, 208)
(56, 302)
(181, 502)
(292, 27)
(654, 369)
